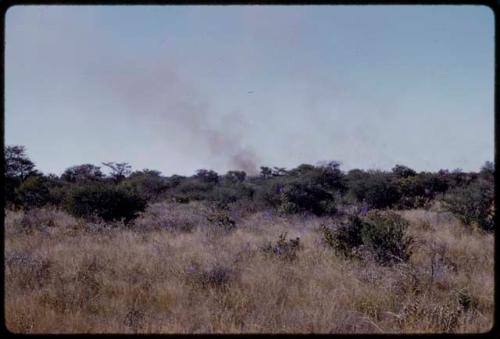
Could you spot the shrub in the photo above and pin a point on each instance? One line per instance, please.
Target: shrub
(207, 176)
(346, 237)
(377, 189)
(268, 193)
(191, 189)
(104, 201)
(473, 204)
(33, 192)
(403, 171)
(306, 197)
(82, 173)
(384, 235)
(224, 195)
(148, 184)
(381, 234)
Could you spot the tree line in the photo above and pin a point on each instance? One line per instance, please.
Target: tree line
(85, 191)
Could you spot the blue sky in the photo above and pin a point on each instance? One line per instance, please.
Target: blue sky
(177, 88)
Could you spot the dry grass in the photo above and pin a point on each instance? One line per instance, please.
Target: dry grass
(67, 276)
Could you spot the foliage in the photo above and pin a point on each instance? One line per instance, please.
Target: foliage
(18, 167)
(224, 195)
(147, 183)
(401, 171)
(384, 235)
(33, 192)
(119, 170)
(17, 163)
(306, 197)
(207, 176)
(380, 233)
(375, 188)
(345, 238)
(473, 204)
(322, 189)
(82, 174)
(104, 201)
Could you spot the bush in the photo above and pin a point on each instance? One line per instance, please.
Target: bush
(38, 191)
(473, 204)
(82, 173)
(224, 195)
(384, 235)
(306, 197)
(104, 201)
(377, 189)
(33, 192)
(191, 189)
(345, 238)
(148, 184)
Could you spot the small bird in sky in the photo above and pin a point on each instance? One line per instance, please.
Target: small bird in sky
(250, 92)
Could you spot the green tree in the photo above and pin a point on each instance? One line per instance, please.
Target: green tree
(84, 173)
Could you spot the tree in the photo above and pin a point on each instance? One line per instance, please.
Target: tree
(33, 192)
(302, 196)
(148, 184)
(266, 172)
(488, 171)
(374, 187)
(119, 170)
(82, 173)
(207, 176)
(17, 163)
(331, 177)
(473, 204)
(105, 201)
(301, 169)
(401, 171)
(278, 171)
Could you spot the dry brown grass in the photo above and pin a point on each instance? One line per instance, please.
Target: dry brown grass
(66, 276)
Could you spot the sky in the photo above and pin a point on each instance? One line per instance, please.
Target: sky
(179, 88)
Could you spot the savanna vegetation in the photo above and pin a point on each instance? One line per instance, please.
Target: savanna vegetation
(313, 249)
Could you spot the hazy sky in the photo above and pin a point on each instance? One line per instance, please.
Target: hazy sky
(178, 88)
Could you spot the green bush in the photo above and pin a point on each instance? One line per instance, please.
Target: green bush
(473, 204)
(383, 234)
(147, 183)
(224, 195)
(380, 233)
(104, 201)
(33, 192)
(306, 197)
(346, 237)
(375, 188)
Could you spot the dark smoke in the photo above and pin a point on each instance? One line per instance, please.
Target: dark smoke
(159, 92)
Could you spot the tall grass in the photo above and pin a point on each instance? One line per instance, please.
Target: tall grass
(67, 276)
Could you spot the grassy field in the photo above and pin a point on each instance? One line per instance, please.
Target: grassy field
(172, 272)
